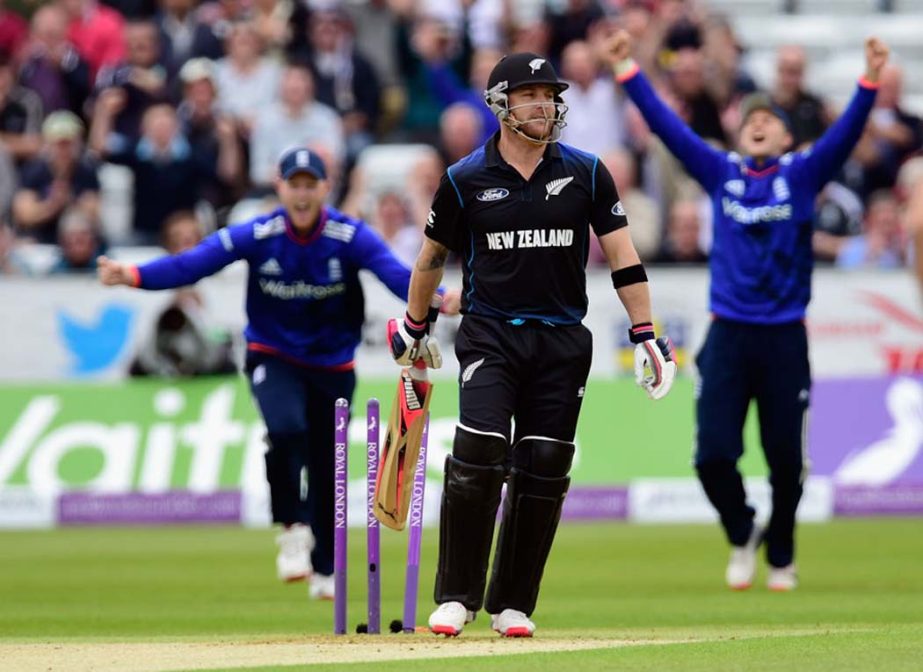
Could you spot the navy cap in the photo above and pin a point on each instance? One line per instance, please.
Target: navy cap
(301, 160)
(760, 100)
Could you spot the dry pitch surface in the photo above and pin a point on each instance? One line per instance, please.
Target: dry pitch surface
(172, 656)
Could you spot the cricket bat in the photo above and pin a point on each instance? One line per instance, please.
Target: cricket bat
(401, 447)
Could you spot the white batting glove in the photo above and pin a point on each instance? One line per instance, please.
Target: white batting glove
(409, 341)
(654, 365)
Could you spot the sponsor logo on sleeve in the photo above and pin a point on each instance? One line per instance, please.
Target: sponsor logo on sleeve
(618, 210)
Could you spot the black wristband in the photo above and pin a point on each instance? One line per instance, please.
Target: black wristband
(643, 331)
(630, 275)
(414, 329)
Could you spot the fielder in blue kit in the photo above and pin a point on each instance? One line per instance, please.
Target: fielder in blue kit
(305, 310)
(761, 262)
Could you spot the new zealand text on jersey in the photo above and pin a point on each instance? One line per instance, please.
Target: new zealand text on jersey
(508, 240)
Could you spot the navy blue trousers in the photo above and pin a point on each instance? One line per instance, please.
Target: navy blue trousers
(297, 405)
(769, 364)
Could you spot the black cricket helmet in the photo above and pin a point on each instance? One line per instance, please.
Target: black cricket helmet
(524, 69)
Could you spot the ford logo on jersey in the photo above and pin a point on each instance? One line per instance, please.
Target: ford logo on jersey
(494, 194)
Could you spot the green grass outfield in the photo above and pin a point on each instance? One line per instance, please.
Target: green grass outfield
(630, 597)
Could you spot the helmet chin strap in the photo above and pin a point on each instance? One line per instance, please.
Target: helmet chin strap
(557, 123)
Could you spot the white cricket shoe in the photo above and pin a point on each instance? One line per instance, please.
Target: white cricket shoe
(449, 619)
(293, 563)
(512, 623)
(782, 579)
(323, 587)
(742, 564)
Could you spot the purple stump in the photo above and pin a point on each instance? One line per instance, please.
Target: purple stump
(372, 530)
(416, 536)
(341, 427)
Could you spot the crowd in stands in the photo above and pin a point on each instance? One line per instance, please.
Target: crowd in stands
(195, 101)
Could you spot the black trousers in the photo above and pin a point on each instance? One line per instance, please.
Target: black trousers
(297, 405)
(533, 373)
(769, 363)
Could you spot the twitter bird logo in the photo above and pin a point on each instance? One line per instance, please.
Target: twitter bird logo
(95, 346)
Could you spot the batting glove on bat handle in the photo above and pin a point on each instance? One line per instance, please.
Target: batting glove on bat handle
(654, 366)
(411, 344)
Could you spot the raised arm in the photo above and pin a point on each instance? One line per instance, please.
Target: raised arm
(822, 161)
(700, 160)
(208, 257)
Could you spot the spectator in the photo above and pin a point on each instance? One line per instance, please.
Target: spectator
(140, 78)
(134, 9)
(883, 244)
(422, 184)
(459, 132)
(220, 16)
(52, 67)
(375, 27)
(13, 31)
(183, 36)
(295, 119)
(531, 36)
(10, 261)
(20, 115)
(895, 134)
(79, 243)
(681, 245)
(806, 112)
(169, 176)
(910, 184)
(9, 182)
(697, 107)
(273, 19)
(422, 40)
(181, 231)
(570, 24)
(595, 115)
(392, 221)
(61, 176)
(96, 31)
(343, 78)
(727, 80)
(644, 213)
(246, 79)
(448, 89)
(211, 134)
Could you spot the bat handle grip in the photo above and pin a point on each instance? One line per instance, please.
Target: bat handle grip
(419, 371)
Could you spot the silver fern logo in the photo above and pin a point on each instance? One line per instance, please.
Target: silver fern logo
(469, 371)
(536, 64)
(555, 187)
